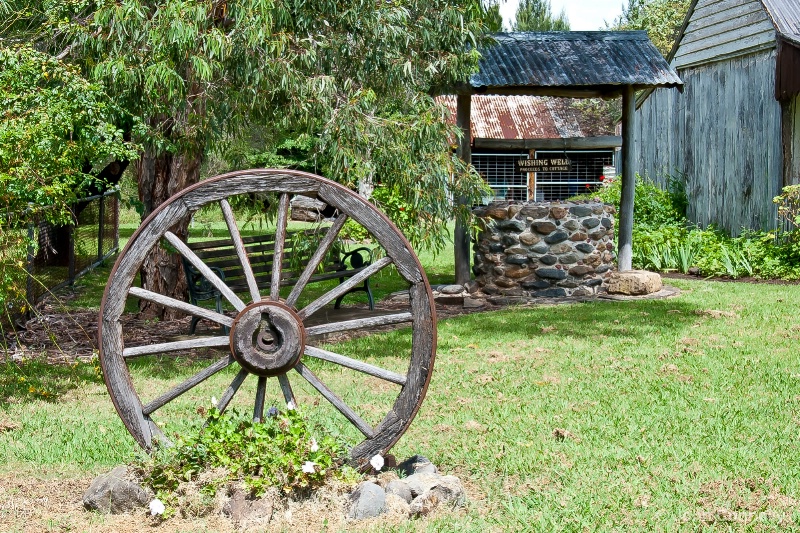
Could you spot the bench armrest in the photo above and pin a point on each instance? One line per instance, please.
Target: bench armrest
(199, 287)
(358, 258)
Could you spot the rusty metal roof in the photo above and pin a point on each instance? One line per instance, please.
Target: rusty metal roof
(528, 117)
(572, 60)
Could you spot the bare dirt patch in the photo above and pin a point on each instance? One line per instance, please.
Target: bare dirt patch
(744, 501)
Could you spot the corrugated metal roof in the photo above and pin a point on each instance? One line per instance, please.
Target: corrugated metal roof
(785, 15)
(528, 117)
(573, 60)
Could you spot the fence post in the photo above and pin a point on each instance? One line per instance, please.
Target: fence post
(30, 297)
(71, 267)
(100, 227)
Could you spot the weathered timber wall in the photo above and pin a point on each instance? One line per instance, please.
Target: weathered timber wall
(724, 28)
(791, 141)
(723, 135)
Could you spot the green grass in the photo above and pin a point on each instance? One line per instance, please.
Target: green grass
(672, 414)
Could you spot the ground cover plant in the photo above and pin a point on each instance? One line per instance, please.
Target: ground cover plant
(665, 241)
(657, 414)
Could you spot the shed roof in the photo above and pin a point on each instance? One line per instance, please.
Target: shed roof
(593, 61)
(785, 15)
(529, 117)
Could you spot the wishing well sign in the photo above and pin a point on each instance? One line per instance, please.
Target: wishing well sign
(547, 164)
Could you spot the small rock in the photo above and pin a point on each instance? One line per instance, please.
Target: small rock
(451, 289)
(602, 268)
(512, 225)
(556, 237)
(584, 247)
(551, 273)
(552, 293)
(607, 222)
(449, 299)
(400, 489)
(496, 248)
(544, 228)
(517, 259)
(569, 259)
(367, 501)
(535, 285)
(561, 248)
(581, 211)
(571, 224)
(580, 270)
(534, 211)
(115, 493)
(417, 464)
(548, 260)
(447, 491)
(578, 236)
(540, 248)
(590, 223)
(422, 481)
(528, 238)
(473, 303)
(496, 212)
(558, 212)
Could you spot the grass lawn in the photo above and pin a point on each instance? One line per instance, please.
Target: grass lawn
(677, 414)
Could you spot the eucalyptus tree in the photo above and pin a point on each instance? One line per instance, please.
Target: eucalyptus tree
(537, 15)
(661, 18)
(357, 76)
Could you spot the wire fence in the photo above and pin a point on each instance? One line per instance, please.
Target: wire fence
(58, 255)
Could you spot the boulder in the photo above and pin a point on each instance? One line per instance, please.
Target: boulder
(367, 501)
(447, 490)
(634, 283)
(115, 493)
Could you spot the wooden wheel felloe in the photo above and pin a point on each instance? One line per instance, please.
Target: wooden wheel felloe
(275, 336)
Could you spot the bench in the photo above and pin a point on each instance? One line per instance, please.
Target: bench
(220, 256)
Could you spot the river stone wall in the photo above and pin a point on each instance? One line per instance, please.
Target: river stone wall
(544, 249)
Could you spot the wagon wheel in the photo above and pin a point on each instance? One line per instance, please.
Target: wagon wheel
(271, 335)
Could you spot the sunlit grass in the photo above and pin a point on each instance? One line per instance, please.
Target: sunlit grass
(611, 415)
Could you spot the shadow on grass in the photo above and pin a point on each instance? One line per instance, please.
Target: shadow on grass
(638, 320)
(37, 380)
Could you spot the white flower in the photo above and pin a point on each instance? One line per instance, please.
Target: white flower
(156, 507)
(376, 462)
(308, 467)
(291, 405)
(314, 445)
(213, 401)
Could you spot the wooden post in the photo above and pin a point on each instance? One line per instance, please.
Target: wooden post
(461, 235)
(100, 226)
(625, 230)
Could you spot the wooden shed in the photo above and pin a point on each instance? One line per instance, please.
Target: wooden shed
(733, 135)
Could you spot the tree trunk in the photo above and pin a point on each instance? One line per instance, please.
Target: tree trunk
(159, 177)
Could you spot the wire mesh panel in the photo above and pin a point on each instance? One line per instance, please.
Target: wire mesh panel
(497, 169)
(585, 176)
(60, 254)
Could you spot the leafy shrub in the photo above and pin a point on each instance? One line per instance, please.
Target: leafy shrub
(282, 452)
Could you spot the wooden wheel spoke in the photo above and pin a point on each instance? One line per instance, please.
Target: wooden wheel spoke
(201, 342)
(186, 385)
(355, 364)
(187, 308)
(359, 323)
(261, 392)
(236, 237)
(286, 388)
(207, 273)
(280, 238)
(337, 402)
(316, 259)
(229, 393)
(343, 288)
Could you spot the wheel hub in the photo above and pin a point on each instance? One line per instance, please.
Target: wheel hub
(267, 338)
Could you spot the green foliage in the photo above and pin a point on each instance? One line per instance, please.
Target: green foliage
(56, 128)
(788, 203)
(356, 78)
(653, 207)
(282, 451)
(537, 15)
(661, 18)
